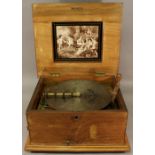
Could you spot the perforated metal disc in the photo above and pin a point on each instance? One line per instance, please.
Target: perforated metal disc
(93, 96)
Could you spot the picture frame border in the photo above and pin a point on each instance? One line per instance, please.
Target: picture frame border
(81, 23)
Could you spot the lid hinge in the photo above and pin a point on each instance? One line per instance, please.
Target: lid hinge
(54, 74)
(100, 74)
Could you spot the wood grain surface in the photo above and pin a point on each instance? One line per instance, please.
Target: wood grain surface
(89, 148)
(109, 14)
(101, 127)
(89, 131)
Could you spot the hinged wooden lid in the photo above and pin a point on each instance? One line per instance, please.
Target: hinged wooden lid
(107, 13)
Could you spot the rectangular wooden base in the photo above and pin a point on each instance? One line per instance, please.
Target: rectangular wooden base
(53, 148)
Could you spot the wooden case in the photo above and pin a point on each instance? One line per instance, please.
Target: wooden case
(87, 131)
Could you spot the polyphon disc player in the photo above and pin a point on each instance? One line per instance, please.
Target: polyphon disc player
(77, 105)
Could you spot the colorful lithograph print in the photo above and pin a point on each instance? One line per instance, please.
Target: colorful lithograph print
(77, 41)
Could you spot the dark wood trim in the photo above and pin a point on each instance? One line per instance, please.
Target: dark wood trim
(85, 23)
(36, 95)
(121, 101)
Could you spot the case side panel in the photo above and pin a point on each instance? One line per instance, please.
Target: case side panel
(77, 128)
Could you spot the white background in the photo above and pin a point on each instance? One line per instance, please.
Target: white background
(11, 77)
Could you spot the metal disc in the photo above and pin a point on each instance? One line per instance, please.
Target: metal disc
(93, 95)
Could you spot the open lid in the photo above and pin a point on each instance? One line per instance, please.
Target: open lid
(77, 36)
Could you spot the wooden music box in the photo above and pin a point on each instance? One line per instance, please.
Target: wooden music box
(77, 105)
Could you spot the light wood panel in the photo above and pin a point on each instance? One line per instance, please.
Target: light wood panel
(109, 14)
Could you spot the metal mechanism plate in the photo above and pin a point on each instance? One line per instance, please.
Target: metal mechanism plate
(76, 95)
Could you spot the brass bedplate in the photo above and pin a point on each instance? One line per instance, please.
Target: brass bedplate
(76, 95)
